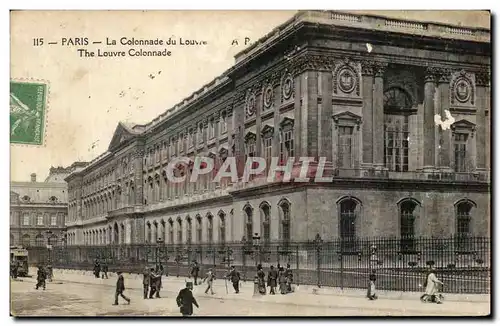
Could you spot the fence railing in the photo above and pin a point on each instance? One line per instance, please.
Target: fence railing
(399, 264)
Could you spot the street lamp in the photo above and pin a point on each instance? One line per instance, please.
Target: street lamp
(159, 242)
(49, 252)
(318, 243)
(256, 244)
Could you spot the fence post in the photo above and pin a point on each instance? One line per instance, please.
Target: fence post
(297, 263)
(318, 243)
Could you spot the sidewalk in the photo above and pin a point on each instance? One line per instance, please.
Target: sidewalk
(172, 283)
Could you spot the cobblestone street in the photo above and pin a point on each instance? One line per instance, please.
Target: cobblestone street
(83, 295)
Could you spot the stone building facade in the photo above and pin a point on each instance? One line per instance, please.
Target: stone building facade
(360, 91)
(38, 210)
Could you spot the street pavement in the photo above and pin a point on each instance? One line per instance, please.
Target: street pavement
(79, 293)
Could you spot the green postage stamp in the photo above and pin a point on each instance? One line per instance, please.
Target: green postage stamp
(28, 103)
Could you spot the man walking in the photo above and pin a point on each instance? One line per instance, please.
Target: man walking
(234, 276)
(152, 282)
(146, 278)
(104, 267)
(272, 278)
(195, 270)
(289, 278)
(120, 287)
(210, 279)
(97, 269)
(185, 300)
(41, 276)
(159, 272)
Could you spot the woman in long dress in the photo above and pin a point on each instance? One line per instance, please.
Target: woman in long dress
(282, 279)
(261, 280)
(432, 286)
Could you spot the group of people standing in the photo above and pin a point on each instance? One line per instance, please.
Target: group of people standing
(151, 281)
(279, 276)
(100, 267)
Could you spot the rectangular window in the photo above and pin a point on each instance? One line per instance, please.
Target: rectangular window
(211, 129)
(249, 150)
(39, 220)
(345, 147)
(26, 219)
(53, 220)
(223, 125)
(268, 145)
(461, 152)
(200, 133)
(286, 146)
(396, 143)
(181, 143)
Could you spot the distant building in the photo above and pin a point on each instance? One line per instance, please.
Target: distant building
(38, 210)
(362, 91)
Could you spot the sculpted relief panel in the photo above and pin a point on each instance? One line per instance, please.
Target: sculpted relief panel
(462, 89)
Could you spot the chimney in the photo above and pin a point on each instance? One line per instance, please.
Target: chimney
(33, 177)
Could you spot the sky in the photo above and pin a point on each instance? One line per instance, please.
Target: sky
(89, 96)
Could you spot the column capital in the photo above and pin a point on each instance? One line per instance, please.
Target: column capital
(430, 74)
(443, 75)
(367, 67)
(379, 68)
(483, 78)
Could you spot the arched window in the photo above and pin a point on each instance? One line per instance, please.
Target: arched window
(148, 232)
(161, 232)
(122, 232)
(198, 229)
(408, 215)
(222, 227)
(116, 237)
(154, 236)
(189, 230)
(265, 217)
(39, 241)
(397, 109)
(26, 240)
(179, 230)
(248, 223)
(210, 228)
(348, 209)
(284, 206)
(171, 231)
(463, 233)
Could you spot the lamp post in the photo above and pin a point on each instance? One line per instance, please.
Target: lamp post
(318, 243)
(256, 244)
(244, 256)
(159, 243)
(49, 253)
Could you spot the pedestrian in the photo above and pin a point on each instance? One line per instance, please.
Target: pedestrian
(120, 288)
(159, 272)
(195, 270)
(261, 280)
(185, 300)
(372, 291)
(97, 269)
(272, 278)
(432, 285)
(152, 282)
(289, 278)
(282, 280)
(146, 278)
(104, 270)
(41, 275)
(210, 279)
(49, 273)
(234, 276)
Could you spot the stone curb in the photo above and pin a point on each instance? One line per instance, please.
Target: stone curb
(306, 289)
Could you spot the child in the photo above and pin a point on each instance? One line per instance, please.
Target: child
(371, 293)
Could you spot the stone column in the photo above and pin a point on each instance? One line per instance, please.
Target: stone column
(312, 113)
(482, 104)
(429, 125)
(445, 135)
(138, 175)
(367, 111)
(378, 115)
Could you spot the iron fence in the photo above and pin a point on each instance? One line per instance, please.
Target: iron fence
(399, 264)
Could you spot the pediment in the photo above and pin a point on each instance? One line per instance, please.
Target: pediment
(267, 130)
(250, 136)
(346, 117)
(121, 134)
(463, 124)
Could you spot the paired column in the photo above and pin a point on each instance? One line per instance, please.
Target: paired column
(378, 115)
(429, 124)
(483, 103)
(367, 72)
(444, 147)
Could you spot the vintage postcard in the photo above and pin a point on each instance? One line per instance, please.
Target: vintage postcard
(250, 163)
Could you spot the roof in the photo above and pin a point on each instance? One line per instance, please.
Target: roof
(40, 192)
